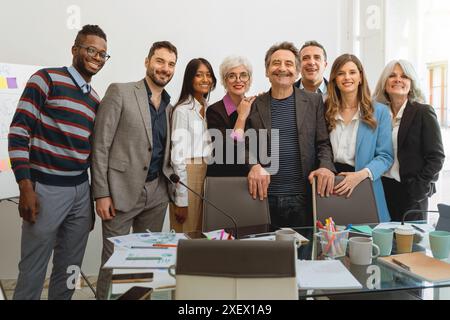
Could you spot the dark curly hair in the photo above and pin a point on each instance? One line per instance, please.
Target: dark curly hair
(89, 30)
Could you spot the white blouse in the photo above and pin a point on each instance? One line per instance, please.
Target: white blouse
(394, 171)
(190, 139)
(343, 139)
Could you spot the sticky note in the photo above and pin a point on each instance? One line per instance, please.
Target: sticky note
(3, 83)
(5, 165)
(362, 229)
(12, 83)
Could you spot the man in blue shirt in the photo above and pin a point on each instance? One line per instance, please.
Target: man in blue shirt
(131, 163)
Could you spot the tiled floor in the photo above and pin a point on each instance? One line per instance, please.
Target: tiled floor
(84, 293)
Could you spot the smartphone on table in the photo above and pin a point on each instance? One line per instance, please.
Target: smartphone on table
(136, 293)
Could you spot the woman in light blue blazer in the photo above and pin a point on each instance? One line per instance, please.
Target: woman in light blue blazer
(360, 130)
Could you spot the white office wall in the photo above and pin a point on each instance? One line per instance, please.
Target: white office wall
(37, 33)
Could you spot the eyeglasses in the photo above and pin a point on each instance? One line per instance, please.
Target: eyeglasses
(92, 52)
(233, 77)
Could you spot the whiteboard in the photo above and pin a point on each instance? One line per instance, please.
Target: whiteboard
(13, 78)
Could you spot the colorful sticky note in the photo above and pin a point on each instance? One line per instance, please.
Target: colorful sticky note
(12, 83)
(5, 165)
(3, 83)
(363, 229)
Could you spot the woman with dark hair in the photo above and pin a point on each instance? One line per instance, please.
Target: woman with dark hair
(191, 144)
(360, 130)
(416, 136)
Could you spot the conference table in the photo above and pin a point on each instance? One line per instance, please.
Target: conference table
(377, 279)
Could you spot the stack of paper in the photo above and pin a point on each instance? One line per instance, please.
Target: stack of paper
(325, 274)
(148, 239)
(142, 258)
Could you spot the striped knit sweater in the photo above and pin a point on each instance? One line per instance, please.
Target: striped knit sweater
(49, 137)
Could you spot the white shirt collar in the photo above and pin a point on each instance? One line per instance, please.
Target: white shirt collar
(356, 116)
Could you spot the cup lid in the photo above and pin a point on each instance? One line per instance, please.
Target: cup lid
(405, 230)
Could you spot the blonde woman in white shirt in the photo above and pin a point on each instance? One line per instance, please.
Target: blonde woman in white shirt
(191, 144)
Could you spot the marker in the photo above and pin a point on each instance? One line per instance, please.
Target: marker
(418, 229)
(348, 227)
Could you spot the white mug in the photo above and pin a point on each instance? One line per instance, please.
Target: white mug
(361, 250)
(287, 235)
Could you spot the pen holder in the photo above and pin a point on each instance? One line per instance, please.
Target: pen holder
(333, 244)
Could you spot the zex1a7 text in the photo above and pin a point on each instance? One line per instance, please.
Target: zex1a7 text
(226, 309)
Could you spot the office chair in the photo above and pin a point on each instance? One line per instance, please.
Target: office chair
(360, 208)
(231, 195)
(235, 269)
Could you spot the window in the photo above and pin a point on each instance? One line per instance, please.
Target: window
(437, 79)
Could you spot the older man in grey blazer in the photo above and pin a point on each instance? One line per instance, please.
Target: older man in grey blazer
(131, 162)
(299, 142)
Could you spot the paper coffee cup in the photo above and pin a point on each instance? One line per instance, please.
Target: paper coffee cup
(404, 235)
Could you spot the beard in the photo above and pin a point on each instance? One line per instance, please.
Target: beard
(153, 75)
(80, 65)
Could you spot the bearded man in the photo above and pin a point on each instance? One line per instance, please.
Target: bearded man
(131, 156)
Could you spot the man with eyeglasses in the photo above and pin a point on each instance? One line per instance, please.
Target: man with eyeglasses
(50, 147)
(313, 61)
(131, 154)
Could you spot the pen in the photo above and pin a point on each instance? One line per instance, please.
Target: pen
(404, 266)
(258, 235)
(143, 247)
(143, 258)
(348, 227)
(417, 228)
(162, 245)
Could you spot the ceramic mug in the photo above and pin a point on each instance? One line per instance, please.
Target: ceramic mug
(361, 249)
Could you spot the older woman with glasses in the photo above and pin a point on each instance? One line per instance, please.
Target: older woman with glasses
(416, 136)
(222, 116)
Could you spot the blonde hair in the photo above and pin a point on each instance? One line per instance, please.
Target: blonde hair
(334, 100)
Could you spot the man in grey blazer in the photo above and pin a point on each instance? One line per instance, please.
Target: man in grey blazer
(301, 147)
(131, 156)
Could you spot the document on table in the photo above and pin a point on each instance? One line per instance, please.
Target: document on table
(147, 239)
(325, 274)
(142, 258)
(392, 225)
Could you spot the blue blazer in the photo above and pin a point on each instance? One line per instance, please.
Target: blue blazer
(374, 151)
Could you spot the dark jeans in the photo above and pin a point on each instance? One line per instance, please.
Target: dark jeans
(290, 211)
(293, 211)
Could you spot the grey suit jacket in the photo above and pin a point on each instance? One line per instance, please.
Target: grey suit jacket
(122, 145)
(314, 142)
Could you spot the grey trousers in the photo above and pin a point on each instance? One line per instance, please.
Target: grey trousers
(62, 227)
(148, 213)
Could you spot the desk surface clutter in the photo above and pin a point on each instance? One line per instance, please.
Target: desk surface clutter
(420, 266)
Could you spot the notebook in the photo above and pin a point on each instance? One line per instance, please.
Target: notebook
(325, 274)
(421, 266)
